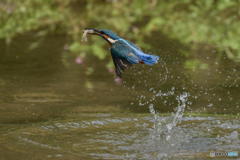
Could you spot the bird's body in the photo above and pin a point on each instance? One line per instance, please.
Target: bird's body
(124, 53)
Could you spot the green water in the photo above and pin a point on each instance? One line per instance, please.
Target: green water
(50, 108)
(118, 136)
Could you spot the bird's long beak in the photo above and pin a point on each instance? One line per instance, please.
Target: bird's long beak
(94, 31)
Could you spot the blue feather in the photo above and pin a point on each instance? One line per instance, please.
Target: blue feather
(124, 53)
(146, 58)
(149, 59)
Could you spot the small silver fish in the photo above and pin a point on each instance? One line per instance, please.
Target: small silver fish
(87, 31)
(84, 36)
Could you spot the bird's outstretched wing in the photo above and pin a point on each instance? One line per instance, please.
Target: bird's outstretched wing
(125, 53)
(136, 55)
(120, 65)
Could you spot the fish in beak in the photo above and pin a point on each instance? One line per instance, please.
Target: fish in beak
(89, 31)
(100, 33)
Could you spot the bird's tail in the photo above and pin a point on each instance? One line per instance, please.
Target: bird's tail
(149, 59)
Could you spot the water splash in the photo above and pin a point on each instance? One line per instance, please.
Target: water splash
(165, 137)
(143, 100)
(164, 65)
(182, 101)
(172, 120)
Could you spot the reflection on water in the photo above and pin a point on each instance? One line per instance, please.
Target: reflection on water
(54, 108)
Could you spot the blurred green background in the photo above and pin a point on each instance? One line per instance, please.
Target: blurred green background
(59, 98)
(196, 24)
(44, 62)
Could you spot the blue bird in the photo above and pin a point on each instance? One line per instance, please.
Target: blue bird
(124, 53)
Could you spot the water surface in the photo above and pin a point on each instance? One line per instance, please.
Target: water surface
(51, 108)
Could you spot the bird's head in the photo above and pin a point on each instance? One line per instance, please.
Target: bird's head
(108, 35)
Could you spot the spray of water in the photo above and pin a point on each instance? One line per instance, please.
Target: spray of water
(165, 138)
(177, 117)
(173, 120)
(164, 65)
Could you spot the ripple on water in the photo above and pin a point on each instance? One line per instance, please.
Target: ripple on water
(130, 136)
(87, 124)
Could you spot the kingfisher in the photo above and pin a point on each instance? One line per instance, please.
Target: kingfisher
(124, 53)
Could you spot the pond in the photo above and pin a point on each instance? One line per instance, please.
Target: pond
(120, 136)
(52, 107)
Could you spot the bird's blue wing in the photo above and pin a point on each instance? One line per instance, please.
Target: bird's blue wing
(123, 51)
(132, 44)
(120, 65)
(124, 54)
(149, 59)
(142, 57)
(122, 57)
